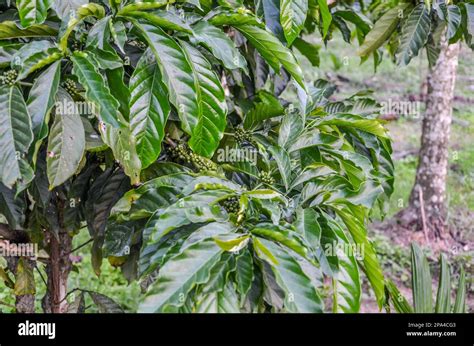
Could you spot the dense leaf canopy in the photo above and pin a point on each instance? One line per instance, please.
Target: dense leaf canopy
(161, 126)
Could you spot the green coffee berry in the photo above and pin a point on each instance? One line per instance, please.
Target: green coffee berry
(70, 87)
(266, 178)
(242, 136)
(9, 77)
(231, 205)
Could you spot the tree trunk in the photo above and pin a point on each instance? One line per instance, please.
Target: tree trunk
(427, 205)
(58, 272)
(59, 267)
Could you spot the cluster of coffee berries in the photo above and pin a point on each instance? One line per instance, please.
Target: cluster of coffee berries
(70, 87)
(266, 178)
(242, 136)
(141, 45)
(76, 46)
(202, 164)
(182, 152)
(231, 205)
(9, 77)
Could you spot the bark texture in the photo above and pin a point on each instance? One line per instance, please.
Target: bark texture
(427, 206)
(59, 266)
(58, 272)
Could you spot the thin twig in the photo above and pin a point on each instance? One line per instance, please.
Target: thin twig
(170, 142)
(41, 275)
(69, 293)
(80, 247)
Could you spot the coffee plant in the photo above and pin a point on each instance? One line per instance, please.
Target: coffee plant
(183, 135)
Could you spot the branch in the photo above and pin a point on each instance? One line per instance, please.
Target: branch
(13, 235)
(5, 232)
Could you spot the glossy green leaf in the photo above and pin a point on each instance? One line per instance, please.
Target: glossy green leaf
(209, 123)
(16, 135)
(120, 91)
(347, 288)
(196, 208)
(32, 11)
(97, 90)
(220, 45)
(7, 52)
(265, 107)
(119, 34)
(11, 208)
(381, 31)
(371, 265)
(271, 13)
(42, 97)
(292, 17)
(454, 20)
(66, 8)
(9, 30)
(314, 138)
(326, 17)
(356, 18)
(99, 33)
(308, 50)
(219, 276)
(271, 49)
(342, 26)
(291, 127)
(177, 74)
(307, 225)
(41, 100)
(179, 275)
(355, 121)
(163, 19)
(75, 18)
(284, 236)
(244, 272)
(124, 146)
(106, 190)
(149, 109)
(142, 6)
(226, 301)
(414, 35)
(283, 163)
(93, 141)
(34, 56)
(66, 145)
(328, 260)
(300, 294)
